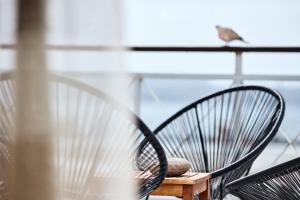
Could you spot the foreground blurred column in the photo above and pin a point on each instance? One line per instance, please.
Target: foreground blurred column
(30, 176)
(31, 171)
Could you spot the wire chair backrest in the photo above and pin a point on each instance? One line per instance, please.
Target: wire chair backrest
(276, 183)
(221, 131)
(81, 116)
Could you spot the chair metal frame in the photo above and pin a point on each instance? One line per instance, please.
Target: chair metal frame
(240, 166)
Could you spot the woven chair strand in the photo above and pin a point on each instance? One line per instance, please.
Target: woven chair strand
(276, 183)
(224, 132)
(81, 117)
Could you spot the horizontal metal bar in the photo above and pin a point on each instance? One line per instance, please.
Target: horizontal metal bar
(156, 75)
(271, 77)
(190, 76)
(278, 49)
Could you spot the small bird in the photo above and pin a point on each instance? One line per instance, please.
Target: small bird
(227, 34)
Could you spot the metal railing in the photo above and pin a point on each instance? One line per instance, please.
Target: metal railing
(238, 77)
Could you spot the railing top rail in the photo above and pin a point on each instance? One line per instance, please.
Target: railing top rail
(219, 49)
(279, 49)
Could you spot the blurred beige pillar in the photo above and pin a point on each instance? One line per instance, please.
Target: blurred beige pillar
(122, 186)
(31, 173)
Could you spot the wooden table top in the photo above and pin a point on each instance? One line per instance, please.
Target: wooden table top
(185, 186)
(189, 178)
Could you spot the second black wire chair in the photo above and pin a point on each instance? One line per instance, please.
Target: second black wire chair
(82, 115)
(224, 132)
(281, 182)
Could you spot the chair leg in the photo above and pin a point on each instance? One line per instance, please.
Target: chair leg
(147, 197)
(221, 190)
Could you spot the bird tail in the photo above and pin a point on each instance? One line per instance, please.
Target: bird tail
(242, 39)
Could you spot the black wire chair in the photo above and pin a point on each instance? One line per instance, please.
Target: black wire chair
(79, 114)
(224, 132)
(281, 182)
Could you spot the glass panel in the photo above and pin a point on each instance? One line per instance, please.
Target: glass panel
(280, 149)
(83, 61)
(173, 95)
(289, 91)
(271, 63)
(7, 59)
(102, 81)
(188, 63)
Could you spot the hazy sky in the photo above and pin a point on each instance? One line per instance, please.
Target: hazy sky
(171, 22)
(167, 22)
(192, 22)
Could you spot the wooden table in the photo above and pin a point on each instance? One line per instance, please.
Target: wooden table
(185, 186)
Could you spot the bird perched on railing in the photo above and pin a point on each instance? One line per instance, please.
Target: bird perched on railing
(227, 34)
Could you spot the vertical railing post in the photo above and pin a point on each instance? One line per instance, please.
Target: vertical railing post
(137, 95)
(238, 69)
